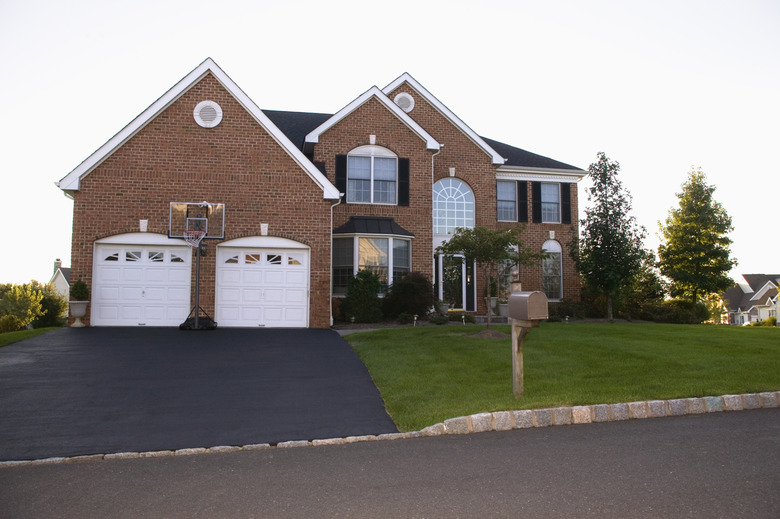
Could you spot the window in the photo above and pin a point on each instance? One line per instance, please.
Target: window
(506, 201)
(551, 203)
(372, 176)
(390, 258)
(453, 206)
(552, 282)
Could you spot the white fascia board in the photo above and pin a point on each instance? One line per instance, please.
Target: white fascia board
(314, 136)
(141, 238)
(446, 112)
(71, 182)
(539, 174)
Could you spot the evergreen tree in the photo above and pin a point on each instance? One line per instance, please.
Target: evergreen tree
(609, 252)
(695, 253)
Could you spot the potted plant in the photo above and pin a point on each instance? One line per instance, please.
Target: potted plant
(503, 307)
(79, 295)
(493, 296)
(443, 306)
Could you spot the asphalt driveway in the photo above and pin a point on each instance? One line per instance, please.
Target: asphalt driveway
(104, 390)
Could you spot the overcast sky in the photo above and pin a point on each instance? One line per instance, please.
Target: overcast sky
(659, 86)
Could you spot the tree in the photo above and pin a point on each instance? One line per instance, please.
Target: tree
(609, 253)
(19, 306)
(488, 248)
(695, 251)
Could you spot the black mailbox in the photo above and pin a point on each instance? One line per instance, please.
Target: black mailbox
(528, 306)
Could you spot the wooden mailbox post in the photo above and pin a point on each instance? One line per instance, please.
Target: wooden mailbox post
(526, 309)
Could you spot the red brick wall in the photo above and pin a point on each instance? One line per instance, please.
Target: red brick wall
(237, 163)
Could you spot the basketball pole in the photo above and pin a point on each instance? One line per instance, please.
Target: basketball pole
(197, 285)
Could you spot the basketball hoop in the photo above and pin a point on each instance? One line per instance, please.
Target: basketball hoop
(193, 237)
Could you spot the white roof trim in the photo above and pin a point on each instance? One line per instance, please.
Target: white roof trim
(405, 77)
(141, 238)
(71, 182)
(263, 242)
(430, 143)
(539, 174)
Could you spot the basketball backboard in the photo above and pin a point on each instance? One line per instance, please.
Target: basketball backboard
(204, 216)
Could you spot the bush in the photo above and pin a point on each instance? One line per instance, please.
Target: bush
(362, 301)
(439, 319)
(79, 291)
(676, 311)
(405, 318)
(53, 305)
(460, 316)
(411, 294)
(19, 306)
(769, 321)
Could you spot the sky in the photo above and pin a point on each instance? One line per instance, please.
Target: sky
(660, 87)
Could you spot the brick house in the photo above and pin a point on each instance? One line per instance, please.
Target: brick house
(308, 198)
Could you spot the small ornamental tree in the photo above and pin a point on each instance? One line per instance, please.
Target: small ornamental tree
(609, 252)
(488, 248)
(19, 306)
(695, 253)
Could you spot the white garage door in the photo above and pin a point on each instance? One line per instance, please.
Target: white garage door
(262, 287)
(147, 285)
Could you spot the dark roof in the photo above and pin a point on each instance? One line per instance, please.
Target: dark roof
(736, 298)
(372, 225)
(296, 125)
(522, 158)
(66, 273)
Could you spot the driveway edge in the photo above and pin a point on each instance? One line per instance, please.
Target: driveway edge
(482, 422)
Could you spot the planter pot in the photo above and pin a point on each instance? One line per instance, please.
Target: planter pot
(78, 309)
(492, 305)
(503, 309)
(444, 308)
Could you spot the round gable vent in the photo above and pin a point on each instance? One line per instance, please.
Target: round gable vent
(404, 101)
(207, 114)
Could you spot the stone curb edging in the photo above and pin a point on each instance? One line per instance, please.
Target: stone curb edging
(482, 422)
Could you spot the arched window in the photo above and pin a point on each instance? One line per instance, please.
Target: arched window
(453, 206)
(372, 176)
(552, 281)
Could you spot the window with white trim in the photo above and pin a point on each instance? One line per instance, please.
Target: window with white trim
(453, 206)
(389, 257)
(372, 176)
(551, 203)
(552, 272)
(506, 201)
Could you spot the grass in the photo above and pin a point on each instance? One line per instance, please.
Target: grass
(12, 337)
(429, 374)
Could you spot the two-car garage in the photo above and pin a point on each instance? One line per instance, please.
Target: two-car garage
(146, 279)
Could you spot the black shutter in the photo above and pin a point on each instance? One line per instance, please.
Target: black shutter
(565, 203)
(536, 201)
(403, 182)
(341, 176)
(522, 201)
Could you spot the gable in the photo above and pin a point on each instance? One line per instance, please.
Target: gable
(372, 93)
(72, 181)
(405, 80)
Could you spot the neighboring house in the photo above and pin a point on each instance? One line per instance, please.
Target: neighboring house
(309, 199)
(754, 299)
(61, 279)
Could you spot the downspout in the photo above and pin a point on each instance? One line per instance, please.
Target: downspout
(330, 295)
(433, 161)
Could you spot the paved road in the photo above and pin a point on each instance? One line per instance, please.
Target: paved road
(699, 466)
(105, 390)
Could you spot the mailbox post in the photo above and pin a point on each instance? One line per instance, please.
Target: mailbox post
(526, 309)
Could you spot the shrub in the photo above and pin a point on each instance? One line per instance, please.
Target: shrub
(405, 318)
(411, 294)
(79, 291)
(676, 311)
(53, 305)
(460, 316)
(439, 319)
(362, 301)
(10, 323)
(769, 321)
(22, 304)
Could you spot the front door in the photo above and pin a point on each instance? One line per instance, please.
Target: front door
(455, 282)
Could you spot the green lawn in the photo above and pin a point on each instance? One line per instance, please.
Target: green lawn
(12, 337)
(429, 374)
